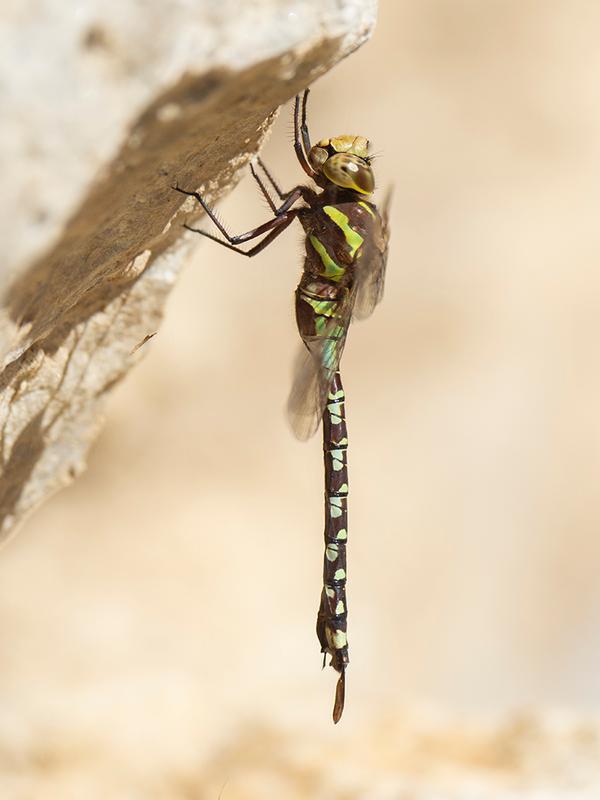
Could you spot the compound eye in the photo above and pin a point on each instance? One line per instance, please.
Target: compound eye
(317, 157)
(350, 173)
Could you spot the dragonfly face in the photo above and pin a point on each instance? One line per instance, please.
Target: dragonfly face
(343, 161)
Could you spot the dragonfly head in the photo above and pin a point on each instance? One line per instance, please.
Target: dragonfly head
(344, 161)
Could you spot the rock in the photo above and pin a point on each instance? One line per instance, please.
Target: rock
(107, 109)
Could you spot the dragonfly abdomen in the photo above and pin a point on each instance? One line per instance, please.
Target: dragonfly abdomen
(332, 619)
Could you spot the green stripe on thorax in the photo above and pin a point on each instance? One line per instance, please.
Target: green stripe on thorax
(366, 207)
(353, 238)
(332, 271)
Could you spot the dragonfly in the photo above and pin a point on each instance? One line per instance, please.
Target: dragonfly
(343, 277)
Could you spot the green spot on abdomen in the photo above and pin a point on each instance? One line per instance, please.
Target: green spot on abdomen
(335, 412)
(335, 507)
(337, 459)
(332, 551)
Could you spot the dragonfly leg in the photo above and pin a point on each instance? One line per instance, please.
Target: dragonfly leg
(272, 228)
(263, 189)
(289, 198)
(207, 208)
(240, 238)
(301, 134)
(303, 125)
(271, 179)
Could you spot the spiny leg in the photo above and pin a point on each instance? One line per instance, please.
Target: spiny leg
(302, 147)
(240, 238)
(208, 211)
(274, 227)
(304, 126)
(271, 179)
(301, 133)
(263, 189)
(290, 197)
(332, 619)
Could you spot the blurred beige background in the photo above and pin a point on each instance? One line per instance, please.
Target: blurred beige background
(165, 604)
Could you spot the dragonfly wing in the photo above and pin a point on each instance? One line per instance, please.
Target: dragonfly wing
(371, 263)
(314, 370)
(304, 402)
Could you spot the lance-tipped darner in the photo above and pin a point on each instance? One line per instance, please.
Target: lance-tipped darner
(343, 276)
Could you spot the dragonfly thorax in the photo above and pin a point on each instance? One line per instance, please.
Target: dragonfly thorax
(344, 161)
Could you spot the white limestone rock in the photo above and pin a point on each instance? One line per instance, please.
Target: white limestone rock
(105, 106)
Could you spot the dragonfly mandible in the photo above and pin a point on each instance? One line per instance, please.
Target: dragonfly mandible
(343, 277)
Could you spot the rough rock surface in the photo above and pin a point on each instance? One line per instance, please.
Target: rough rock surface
(103, 110)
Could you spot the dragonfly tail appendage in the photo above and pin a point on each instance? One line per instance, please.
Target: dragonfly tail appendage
(340, 695)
